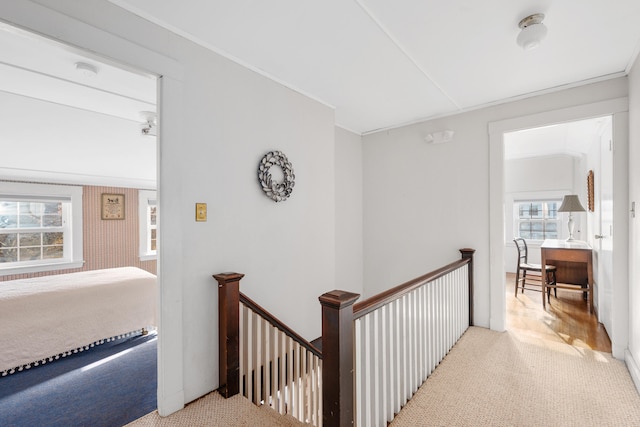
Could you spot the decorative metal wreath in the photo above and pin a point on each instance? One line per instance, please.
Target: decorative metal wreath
(277, 191)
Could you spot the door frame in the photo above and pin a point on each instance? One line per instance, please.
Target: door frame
(618, 109)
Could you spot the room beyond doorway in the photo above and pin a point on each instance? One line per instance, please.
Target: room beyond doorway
(74, 118)
(567, 153)
(566, 318)
(618, 109)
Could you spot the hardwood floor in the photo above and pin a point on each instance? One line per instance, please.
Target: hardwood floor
(565, 319)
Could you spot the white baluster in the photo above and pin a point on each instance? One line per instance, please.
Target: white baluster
(366, 348)
(384, 364)
(359, 366)
(250, 350)
(375, 372)
(243, 347)
(283, 369)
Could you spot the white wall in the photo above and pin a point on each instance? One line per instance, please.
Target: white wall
(286, 249)
(423, 202)
(632, 356)
(539, 174)
(349, 263)
(217, 119)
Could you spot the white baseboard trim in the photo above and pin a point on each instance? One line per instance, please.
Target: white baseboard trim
(167, 405)
(618, 351)
(632, 366)
(494, 325)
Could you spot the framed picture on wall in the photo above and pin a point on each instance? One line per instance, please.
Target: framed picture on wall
(590, 191)
(112, 206)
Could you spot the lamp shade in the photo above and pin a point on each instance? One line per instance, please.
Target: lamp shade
(571, 203)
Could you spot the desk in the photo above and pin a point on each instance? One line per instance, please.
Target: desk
(574, 264)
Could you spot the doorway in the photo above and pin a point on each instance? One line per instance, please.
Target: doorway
(78, 119)
(617, 110)
(570, 154)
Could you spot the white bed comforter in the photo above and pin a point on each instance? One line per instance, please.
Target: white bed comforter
(47, 316)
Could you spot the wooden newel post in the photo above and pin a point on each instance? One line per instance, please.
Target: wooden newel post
(468, 253)
(337, 358)
(229, 332)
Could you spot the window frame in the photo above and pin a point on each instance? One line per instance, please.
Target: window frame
(73, 238)
(544, 200)
(145, 199)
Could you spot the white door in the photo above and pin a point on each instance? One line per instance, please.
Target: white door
(602, 237)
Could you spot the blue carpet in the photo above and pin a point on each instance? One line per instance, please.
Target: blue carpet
(108, 385)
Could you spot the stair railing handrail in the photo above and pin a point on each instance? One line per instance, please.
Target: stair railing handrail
(278, 324)
(374, 302)
(339, 315)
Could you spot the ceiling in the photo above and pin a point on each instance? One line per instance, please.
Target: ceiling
(380, 64)
(573, 139)
(384, 63)
(41, 68)
(62, 125)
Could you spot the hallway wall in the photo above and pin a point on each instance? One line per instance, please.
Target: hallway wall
(422, 202)
(349, 263)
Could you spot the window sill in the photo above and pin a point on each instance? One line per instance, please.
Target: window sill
(7, 271)
(151, 257)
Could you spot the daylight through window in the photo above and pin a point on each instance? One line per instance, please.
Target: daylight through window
(537, 219)
(148, 216)
(32, 230)
(37, 227)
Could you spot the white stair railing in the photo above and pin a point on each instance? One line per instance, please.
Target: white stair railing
(277, 369)
(375, 354)
(399, 344)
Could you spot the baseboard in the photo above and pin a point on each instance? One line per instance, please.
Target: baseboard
(494, 325)
(632, 366)
(617, 351)
(167, 405)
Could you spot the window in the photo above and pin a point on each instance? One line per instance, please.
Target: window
(536, 219)
(40, 227)
(148, 214)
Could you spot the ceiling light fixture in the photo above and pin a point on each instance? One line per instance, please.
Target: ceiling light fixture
(86, 70)
(533, 31)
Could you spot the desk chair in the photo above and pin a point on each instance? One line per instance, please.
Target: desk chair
(523, 280)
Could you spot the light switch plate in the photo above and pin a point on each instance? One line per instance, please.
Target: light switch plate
(201, 211)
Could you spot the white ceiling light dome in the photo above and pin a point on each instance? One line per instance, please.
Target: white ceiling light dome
(533, 31)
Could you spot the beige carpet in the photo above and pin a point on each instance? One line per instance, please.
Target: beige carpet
(503, 379)
(487, 379)
(215, 410)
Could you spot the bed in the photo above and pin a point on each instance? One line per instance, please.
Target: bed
(44, 318)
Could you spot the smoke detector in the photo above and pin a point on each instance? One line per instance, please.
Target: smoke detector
(86, 70)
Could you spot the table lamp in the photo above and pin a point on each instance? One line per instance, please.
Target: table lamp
(571, 204)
